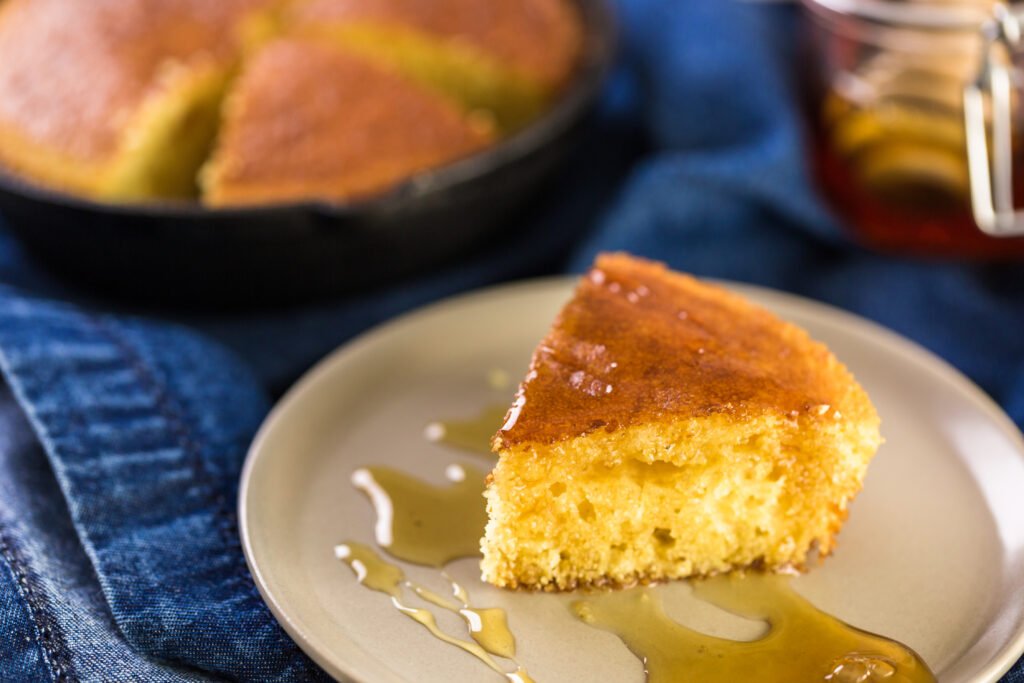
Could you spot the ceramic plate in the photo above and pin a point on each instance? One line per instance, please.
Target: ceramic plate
(932, 555)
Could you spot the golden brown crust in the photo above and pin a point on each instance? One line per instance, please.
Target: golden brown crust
(639, 343)
(73, 73)
(538, 38)
(307, 119)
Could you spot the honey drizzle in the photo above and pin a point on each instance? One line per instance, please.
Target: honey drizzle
(472, 435)
(487, 626)
(802, 643)
(433, 525)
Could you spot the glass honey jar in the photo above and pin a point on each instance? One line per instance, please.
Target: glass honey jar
(917, 134)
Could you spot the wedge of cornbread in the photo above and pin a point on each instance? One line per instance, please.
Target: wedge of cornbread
(503, 57)
(116, 99)
(669, 428)
(307, 119)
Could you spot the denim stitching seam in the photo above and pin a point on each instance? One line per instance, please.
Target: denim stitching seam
(176, 422)
(166, 405)
(48, 634)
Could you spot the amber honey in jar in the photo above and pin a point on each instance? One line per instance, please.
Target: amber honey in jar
(890, 131)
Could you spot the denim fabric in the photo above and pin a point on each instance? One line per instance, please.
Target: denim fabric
(122, 432)
(62, 627)
(145, 428)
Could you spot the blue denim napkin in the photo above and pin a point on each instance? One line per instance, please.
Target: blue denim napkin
(121, 436)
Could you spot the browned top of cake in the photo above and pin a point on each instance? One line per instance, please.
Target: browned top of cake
(308, 119)
(73, 72)
(540, 38)
(639, 343)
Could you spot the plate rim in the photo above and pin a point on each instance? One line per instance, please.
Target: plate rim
(907, 349)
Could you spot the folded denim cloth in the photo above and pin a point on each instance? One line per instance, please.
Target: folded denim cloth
(121, 437)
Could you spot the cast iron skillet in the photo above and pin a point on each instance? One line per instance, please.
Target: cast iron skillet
(183, 254)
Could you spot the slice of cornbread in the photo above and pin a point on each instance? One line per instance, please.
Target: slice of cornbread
(669, 428)
(116, 99)
(308, 119)
(505, 57)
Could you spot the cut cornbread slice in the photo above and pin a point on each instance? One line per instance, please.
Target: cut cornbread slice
(115, 99)
(506, 57)
(309, 120)
(669, 428)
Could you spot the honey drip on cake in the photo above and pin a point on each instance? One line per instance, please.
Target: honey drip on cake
(487, 627)
(431, 525)
(472, 435)
(802, 642)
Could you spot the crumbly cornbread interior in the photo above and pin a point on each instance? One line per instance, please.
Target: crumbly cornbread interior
(671, 500)
(667, 428)
(137, 103)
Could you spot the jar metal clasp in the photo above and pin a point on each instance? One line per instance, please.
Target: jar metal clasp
(991, 183)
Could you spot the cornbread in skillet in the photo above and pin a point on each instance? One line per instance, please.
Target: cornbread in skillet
(121, 100)
(115, 99)
(308, 119)
(669, 428)
(505, 57)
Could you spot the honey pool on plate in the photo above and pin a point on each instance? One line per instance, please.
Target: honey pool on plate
(430, 525)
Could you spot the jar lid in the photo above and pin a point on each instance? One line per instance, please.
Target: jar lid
(958, 15)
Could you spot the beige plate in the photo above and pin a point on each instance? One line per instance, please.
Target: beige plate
(933, 553)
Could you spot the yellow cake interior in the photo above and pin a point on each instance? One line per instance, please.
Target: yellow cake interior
(672, 499)
(169, 142)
